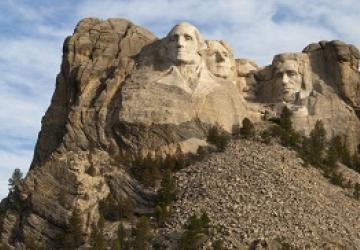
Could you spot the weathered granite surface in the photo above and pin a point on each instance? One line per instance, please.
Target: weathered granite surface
(122, 91)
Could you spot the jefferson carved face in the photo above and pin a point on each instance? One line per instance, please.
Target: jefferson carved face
(184, 44)
(219, 59)
(288, 79)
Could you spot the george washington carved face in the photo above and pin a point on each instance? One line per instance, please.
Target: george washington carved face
(184, 44)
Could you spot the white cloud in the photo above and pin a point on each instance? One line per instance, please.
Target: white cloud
(29, 63)
(40, 56)
(19, 159)
(247, 25)
(58, 33)
(26, 12)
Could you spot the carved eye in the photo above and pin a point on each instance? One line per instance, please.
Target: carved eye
(225, 54)
(174, 38)
(188, 37)
(291, 73)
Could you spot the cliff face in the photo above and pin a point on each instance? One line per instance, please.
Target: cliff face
(122, 92)
(338, 64)
(96, 60)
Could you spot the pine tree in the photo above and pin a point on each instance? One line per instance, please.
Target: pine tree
(346, 157)
(117, 245)
(266, 136)
(73, 236)
(248, 129)
(285, 120)
(126, 208)
(356, 162)
(142, 234)
(196, 228)
(218, 245)
(357, 191)
(151, 168)
(205, 220)
(333, 153)
(169, 163)
(113, 209)
(4, 247)
(97, 240)
(33, 244)
(159, 214)
(179, 159)
(315, 144)
(15, 179)
(288, 136)
(218, 138)
(109, 208)
(337, 178)
(120, 242)
(167, 191)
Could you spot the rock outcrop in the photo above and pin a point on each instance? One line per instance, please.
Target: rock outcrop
(122, 93)
(337, 64)
(96, 60)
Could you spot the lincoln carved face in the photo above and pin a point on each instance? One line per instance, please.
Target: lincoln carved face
(183, 44)
(288, 79)
(220, 60)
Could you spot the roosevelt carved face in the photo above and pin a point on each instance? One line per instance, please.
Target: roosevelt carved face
(288, 79)
(183, 44)
(219, 59)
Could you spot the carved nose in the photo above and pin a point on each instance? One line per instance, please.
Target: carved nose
(219, 57)
(180, 42)
(285, 78)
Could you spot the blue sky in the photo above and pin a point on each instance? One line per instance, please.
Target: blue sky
(32, 33)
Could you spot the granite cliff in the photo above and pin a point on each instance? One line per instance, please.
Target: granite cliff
(123, 93)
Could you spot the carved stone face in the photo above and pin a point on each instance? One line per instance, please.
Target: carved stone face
(288, 80)
(219, 59)
(183, 44)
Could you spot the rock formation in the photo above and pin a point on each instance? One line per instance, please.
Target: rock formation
(337, 64)
(123, 93)
(291, 81)
(96, 60)
(173, 88)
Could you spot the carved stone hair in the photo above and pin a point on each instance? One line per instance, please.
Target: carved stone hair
(210, 44)
(198, 36)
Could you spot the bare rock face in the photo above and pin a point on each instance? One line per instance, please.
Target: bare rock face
(184, 84)
(121, 91)
(337, 64)
(96, 60)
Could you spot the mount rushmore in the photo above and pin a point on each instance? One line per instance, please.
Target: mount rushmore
(122, 90)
